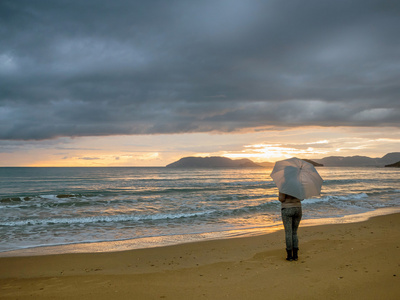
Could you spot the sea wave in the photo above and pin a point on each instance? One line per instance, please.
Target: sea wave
(128, 199)
(210, 213)
(347, 181)
(330, 198)
(101, 219)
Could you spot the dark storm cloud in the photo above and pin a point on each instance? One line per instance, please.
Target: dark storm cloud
(86, 68)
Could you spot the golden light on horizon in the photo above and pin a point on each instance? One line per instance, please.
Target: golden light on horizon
(274, 152)
(161, 150)
(98, 160)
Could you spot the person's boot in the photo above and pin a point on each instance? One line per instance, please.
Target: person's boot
(295, 253)
(289, 255)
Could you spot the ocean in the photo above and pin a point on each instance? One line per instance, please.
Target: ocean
(58, 210)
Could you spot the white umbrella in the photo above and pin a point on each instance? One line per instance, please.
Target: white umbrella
(297, 178)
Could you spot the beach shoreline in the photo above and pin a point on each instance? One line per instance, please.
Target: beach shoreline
(336, 261)
(170, 240)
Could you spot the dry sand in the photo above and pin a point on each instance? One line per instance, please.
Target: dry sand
(343, 261)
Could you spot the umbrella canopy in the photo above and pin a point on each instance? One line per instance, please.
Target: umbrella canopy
(297, 178)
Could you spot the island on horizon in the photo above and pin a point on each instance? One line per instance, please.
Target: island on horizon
(222, 162)
(388, 160)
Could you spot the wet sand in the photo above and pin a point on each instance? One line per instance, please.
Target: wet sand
(337, 261)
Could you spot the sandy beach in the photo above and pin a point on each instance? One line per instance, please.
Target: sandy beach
(340, 261)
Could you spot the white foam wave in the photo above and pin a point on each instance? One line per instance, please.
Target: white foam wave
(97, 219)
(49, 197)
(336, 198)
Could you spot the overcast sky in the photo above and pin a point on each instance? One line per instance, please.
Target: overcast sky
(111, 68)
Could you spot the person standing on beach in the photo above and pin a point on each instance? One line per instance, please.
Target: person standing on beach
(291, 217)
(296, 180)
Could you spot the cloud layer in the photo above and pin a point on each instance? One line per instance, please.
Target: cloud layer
(86, 68)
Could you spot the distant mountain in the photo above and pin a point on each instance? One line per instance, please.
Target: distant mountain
(221, 162)
(331, 161)
(269, 164)
(213, 162)
(359, 161)
(313, 162)
(395, 165)
(391, 158)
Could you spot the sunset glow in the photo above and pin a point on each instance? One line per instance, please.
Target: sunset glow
(160, 150)
(263, 152)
